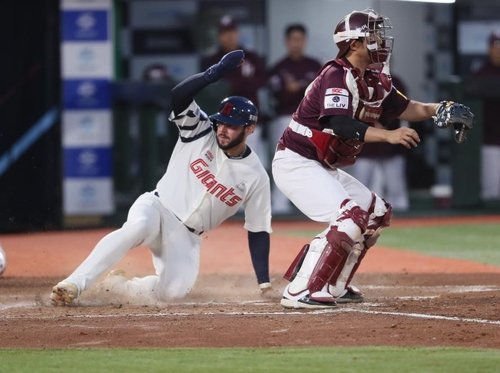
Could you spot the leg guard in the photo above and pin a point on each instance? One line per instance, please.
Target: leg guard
(342, 250)
(380, 213)
(296, 264)
(331, 261)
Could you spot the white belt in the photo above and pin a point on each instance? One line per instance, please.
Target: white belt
(300, 129)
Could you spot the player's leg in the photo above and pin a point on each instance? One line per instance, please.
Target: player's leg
(176, 260)
(379, 215)
(364, 170)
(333, 264)
(141, 228)
(328, 253)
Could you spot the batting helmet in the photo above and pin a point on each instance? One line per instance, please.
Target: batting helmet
(364, 24)
(236, 111)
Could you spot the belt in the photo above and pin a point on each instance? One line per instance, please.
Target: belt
(192, 230)
(300, 129)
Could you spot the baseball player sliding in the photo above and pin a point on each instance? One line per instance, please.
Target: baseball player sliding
(347, 104)
(211, 175)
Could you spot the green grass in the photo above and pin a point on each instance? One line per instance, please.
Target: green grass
(318, 359)
(476, 242)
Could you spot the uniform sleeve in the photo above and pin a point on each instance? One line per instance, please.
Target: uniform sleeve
(258, 207)
(394, 104)
(334, 97)
(192, 123)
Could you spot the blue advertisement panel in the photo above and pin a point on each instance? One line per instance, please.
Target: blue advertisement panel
(85, 25)
(87, 162)
(87, 72)
(86, 94)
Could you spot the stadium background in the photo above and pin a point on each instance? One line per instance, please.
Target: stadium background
(49, 45)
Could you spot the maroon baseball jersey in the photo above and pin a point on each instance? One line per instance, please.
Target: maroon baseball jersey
(491, 108)
(383, 149)
(338, 90)
(246, 79)
(302, 71)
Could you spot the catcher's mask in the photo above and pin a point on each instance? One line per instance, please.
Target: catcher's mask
(236, 111)
(369, 25)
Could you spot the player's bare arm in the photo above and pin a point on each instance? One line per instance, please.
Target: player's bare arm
(418, 111)
(445, 114)
(405, 136)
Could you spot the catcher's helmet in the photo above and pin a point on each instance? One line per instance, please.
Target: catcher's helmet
(236, 111)
(364, 24)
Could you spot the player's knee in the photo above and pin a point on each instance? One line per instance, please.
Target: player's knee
(352, 219)
(380, 213)
(141, 229)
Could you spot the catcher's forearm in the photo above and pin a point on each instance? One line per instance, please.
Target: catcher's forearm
(259, 243)
(418, 111)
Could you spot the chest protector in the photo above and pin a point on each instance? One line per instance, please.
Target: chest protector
(368, 91)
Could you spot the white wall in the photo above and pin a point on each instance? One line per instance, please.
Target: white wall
(411, 34)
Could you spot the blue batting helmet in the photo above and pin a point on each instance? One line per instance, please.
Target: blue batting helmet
(236, 111)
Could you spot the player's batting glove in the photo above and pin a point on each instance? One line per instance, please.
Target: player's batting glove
(458, 116)
(227, 63)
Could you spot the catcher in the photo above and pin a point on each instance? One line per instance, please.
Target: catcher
(347, 105)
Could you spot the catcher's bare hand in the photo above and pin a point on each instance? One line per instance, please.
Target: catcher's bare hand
(405, 136)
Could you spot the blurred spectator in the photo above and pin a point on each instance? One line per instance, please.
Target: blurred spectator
(382, 166)
(288, 80)
(490, 150)
(244, 81)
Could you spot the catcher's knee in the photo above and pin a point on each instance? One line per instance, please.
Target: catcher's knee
(380, 215)
(352, 219)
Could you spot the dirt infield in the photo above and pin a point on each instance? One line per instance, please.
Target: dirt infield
(411, 299)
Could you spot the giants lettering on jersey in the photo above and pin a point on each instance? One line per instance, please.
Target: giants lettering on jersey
(223, 193)
(336, 98)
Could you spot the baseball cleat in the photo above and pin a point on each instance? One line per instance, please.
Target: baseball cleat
(352, 295)
(318, 300)
(307, 302)
(63, 294)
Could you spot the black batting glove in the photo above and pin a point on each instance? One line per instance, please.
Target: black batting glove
(227, 63)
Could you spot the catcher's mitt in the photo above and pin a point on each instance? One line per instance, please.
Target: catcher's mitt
(459, 116)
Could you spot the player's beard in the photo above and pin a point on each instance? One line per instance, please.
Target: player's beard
(235, 142)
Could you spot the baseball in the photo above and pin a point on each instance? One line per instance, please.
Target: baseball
(3, 261)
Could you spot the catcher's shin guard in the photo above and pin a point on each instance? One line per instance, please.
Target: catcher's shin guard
(380, 217)
(331, 261)
(296, 264)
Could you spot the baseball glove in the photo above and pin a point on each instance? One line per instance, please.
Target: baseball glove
(458, 116)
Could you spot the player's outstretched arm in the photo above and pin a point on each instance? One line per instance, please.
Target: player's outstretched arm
(445, 114)
(259, 243)
(184, 92)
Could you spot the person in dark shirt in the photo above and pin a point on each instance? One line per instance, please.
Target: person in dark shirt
(379, 164)
(490, 149)
(246, 80)
(287, 82)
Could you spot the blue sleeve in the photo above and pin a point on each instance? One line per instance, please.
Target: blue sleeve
(259, 243)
